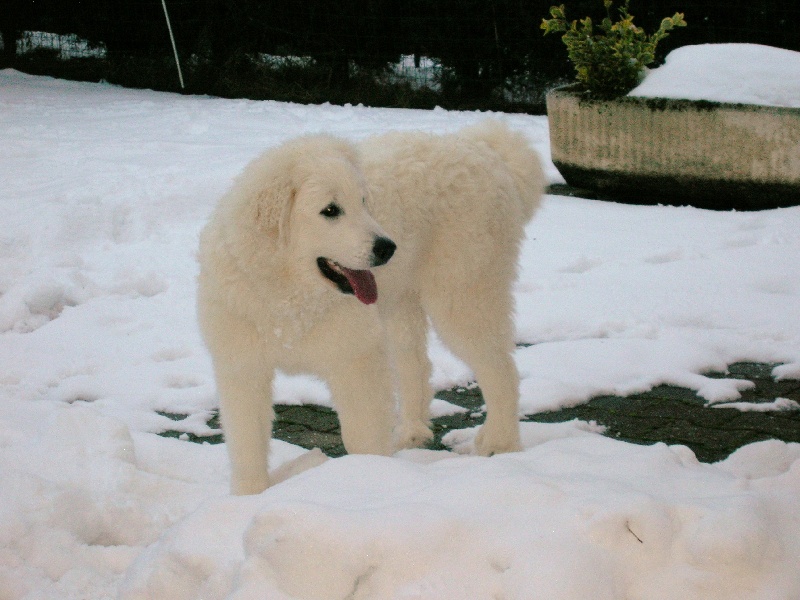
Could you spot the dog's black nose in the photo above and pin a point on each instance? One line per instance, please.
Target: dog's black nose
(382, 251)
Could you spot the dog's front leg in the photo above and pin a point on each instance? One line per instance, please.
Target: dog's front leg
(406, 331)
(246, 414)
(244, 384)
(362, 394)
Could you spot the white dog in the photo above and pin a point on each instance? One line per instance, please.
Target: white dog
(331, 258)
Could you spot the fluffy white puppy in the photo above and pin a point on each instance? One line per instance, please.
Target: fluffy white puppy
(332, 258)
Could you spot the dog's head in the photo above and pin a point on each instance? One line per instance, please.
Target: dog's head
(313, 205)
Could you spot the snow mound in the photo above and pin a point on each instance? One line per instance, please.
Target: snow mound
(736, 73)
(635, 523)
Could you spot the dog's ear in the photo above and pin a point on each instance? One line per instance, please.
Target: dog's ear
(274, 209)
(273, 190)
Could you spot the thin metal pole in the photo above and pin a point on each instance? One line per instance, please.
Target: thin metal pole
(172, 39)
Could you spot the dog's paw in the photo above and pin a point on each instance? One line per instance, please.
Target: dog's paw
(241, 486)
(493, 440)
(413, 435)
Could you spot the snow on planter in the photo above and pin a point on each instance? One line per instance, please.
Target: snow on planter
(731, 73)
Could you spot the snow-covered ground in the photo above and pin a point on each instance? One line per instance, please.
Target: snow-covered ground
(102, 194)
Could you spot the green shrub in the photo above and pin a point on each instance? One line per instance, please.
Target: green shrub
(609, 59)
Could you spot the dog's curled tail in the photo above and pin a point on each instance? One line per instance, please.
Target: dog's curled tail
(516, 152)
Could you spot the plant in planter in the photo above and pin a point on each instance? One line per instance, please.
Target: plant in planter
(609, 59)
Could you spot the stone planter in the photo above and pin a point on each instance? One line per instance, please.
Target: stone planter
(657, 150)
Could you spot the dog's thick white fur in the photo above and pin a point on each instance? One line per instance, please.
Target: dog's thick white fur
(332, 258)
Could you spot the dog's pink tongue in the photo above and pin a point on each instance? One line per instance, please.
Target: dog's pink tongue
(363, 284)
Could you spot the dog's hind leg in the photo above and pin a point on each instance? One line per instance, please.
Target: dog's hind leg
(477, 327)
(406, 330)
(362, 395)
(499, 382)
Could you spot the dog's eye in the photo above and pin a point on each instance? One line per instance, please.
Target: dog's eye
(331, 211)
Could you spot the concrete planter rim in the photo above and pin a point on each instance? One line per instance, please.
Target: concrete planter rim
(660, 103)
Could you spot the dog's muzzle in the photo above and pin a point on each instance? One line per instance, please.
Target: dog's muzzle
(359, 282)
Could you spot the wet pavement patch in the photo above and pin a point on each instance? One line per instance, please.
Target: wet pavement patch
(309, 426)
(676, 415)
(669, 414)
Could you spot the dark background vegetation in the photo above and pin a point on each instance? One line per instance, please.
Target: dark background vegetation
(490, 54)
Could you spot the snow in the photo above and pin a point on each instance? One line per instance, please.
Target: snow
(103, 193)
(736, 73)
(779, 404)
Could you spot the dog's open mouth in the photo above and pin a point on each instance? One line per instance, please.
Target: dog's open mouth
(360, 282)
